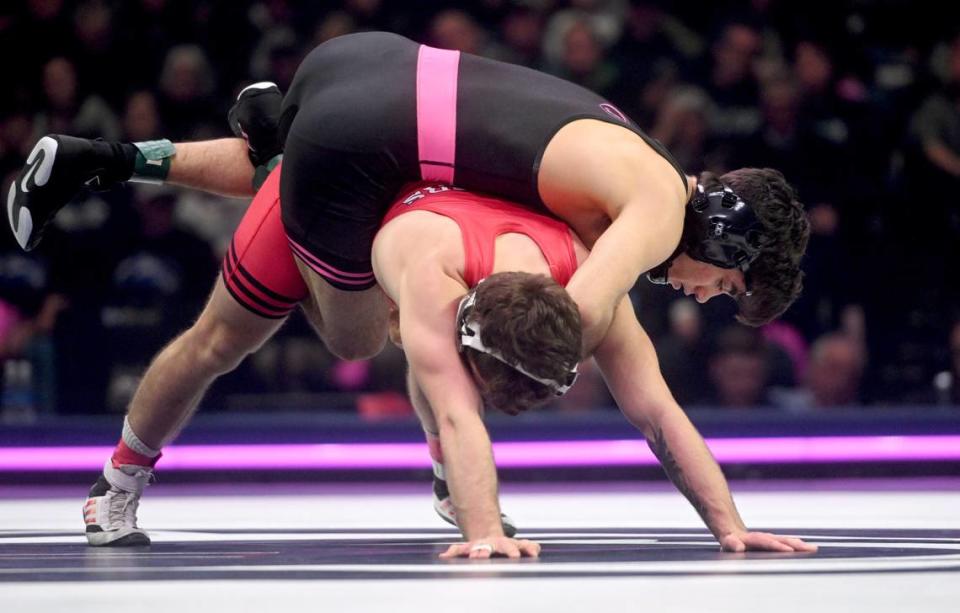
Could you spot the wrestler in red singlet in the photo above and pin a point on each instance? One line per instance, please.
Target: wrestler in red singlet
(260, 272)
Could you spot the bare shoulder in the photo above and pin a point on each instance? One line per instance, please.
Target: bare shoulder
(416, 245)
(599, 167)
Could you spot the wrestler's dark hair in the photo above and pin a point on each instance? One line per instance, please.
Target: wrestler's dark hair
(775, 278)
(532, 321)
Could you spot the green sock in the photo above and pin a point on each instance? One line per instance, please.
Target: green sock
(152, 164)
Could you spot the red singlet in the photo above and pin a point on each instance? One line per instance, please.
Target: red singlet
(260, 273)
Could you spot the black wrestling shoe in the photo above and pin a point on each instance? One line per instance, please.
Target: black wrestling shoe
(57, 169)
(444, 508)
(255, 117)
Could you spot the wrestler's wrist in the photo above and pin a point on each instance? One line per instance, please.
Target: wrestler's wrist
(482, 531)
(729, 527)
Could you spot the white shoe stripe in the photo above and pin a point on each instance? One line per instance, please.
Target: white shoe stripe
(257, 85)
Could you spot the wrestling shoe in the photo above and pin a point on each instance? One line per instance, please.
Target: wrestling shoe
(443, 505)
(255, 117)
(111, 508)
(56, 170)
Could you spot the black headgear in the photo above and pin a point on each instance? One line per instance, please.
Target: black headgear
(719, 228)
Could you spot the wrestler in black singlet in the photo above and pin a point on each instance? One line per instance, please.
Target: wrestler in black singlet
(351, 141)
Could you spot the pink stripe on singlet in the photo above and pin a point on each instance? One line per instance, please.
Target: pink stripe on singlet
(437, 71)
(326, 270)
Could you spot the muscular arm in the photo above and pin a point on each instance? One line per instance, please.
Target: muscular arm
(428, 303)
(638, 239)
(420, 404)
(629, 365)
(625, 202)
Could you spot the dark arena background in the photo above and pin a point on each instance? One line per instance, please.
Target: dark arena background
(304, 480)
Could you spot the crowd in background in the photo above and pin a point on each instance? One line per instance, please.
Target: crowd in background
(857, 102)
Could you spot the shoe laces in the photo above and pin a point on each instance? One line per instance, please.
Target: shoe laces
(122, 505)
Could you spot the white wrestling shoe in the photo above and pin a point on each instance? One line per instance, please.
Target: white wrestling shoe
(111, 508)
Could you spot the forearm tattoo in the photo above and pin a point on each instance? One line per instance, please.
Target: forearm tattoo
(661, 449)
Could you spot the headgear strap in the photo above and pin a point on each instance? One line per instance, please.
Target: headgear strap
(470, 337)
(719, 228)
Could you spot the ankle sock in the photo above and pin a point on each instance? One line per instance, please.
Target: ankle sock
(131, 450)
(436, 454)
(116, 162)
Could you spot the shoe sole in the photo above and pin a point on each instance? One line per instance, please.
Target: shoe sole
(109, 539)
(35, 173)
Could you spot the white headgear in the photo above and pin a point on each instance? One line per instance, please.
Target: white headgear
(470, 337)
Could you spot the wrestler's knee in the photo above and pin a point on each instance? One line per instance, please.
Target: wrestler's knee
(220, 346)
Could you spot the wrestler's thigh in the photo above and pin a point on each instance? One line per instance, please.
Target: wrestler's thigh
(353, 323)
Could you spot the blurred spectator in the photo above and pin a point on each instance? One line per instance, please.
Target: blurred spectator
(336, 23)
(652, 33)
(784, 141)
(211, 217)
(152, 27)
(42, 32)
(141, 117)
(16, 140)
(944, 387)
(63, 111)
(828, 101)
(683, 353)
(294, 360)
(833, 377)
(935, 127)
(99, 54)
(187, 85)
(277, 56)
(646, 103)
(605, 19)
(368, 14)
(955, 364)
(836, 367)
(29, 309)
(521, 31)
(922, 240)
(653, 42)
(786, 337)
(456, 29)
(739, 369)
(947, 383)
(731, 81)
(588, 394)
(683, 126)
(157, 287)
(584, 60)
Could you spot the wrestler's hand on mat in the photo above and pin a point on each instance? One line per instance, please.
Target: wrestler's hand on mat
(481, 549)
(764, 541)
